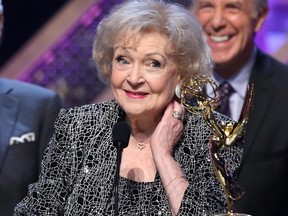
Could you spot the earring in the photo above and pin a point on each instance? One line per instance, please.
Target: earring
(178, 91)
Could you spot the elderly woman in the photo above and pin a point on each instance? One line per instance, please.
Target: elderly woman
(144, 49)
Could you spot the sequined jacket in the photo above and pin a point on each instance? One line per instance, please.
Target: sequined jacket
(79, 165)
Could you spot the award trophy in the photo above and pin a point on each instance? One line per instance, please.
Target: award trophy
(195, 100)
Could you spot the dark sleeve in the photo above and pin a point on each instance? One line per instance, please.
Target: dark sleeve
(205, 195)
(53, 106)
(48, 195)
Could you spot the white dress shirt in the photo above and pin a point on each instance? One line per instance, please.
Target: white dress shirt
(239, 81)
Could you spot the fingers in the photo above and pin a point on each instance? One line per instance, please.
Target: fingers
(169, 129)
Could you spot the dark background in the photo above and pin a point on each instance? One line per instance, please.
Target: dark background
(22, 18)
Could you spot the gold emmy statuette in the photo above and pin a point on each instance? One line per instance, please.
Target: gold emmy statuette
(195, 100)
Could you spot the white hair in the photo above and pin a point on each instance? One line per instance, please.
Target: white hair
(190, 50)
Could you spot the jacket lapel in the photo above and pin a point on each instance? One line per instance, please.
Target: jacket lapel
(264, 89)
(8, 116)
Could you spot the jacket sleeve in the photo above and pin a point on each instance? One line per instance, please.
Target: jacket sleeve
(53, 106)
(48, 195)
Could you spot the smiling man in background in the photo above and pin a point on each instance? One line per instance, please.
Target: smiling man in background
(230, 27)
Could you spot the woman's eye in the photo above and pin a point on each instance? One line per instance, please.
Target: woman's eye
(121, 63)
(155, 64)
(122, 60)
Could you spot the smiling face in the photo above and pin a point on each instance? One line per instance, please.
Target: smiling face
(143, 76)
(230, 27)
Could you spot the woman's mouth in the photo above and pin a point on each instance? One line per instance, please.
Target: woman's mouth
(136, 94)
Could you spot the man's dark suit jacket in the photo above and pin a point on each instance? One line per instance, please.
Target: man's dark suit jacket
(264, 170)
(27, 115)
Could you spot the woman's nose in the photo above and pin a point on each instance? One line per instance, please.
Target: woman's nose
(136, 75)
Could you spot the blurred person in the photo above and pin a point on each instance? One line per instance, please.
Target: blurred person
(144, 49)
(230, 27)
(27, 114)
